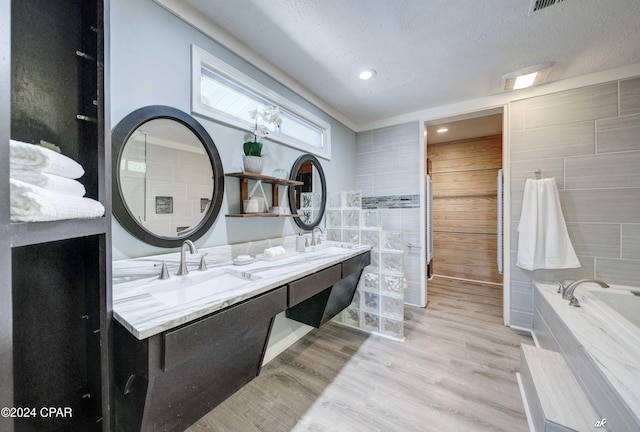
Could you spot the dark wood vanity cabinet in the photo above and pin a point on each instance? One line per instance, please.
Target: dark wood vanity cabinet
(55, 277)
(316, 299)
(170, 380)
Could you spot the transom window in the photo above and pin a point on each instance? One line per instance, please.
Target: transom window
(226, 95)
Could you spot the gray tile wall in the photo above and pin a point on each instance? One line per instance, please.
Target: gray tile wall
(388, 170)
(589, 140)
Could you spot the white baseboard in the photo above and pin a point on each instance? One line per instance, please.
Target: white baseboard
(522, 329)
(535, 339)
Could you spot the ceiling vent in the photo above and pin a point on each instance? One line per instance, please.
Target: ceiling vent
(537, 5)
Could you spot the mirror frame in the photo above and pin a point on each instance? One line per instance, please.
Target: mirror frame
(292, 192)
(119, 137)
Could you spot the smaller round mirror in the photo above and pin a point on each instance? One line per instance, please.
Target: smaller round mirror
(309, 199)
(167, 176)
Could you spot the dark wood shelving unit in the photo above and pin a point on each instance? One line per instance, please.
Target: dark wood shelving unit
(244, 178)
(55, 278)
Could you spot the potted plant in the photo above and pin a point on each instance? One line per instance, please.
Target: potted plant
(263, 116)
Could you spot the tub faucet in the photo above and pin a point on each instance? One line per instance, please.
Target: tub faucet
(183, 270)
(313, 235)
(567, 292)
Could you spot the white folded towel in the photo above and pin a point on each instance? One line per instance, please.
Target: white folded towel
(543, 239)
(23, 156)
(274, 251)
(31, 203)
(50, 182)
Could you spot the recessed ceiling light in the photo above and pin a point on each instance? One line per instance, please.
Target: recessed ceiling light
(442, 130)
(526, 77)
(367, 74)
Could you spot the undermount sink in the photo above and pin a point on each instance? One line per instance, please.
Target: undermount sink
(332, 244)
(196, 285)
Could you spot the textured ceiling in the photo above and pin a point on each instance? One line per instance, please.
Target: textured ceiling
(427, 53)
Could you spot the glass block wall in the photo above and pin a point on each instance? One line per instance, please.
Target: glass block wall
(378, 304)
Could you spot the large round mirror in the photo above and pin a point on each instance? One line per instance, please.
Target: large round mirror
(167, 176)
(309, 199)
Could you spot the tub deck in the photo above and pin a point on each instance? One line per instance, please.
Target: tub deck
(600, 346)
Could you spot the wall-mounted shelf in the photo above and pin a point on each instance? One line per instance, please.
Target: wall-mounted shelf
(250, 215)
(244, 178)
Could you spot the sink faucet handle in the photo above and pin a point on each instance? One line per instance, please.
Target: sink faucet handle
(203, 263)
(573, 301)
(164, 272)
(564, 285)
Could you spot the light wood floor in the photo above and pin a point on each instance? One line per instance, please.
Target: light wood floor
(454, 372)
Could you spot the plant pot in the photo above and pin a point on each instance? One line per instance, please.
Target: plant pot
(253, 164)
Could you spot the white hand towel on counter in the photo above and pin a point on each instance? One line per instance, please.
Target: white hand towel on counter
(273, 252)
(23, 156)
(50, 182)
(543, 240)
(31, 203)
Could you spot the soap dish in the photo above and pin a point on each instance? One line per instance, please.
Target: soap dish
(242, 262)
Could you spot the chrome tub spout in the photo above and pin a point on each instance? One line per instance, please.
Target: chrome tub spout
(567, 292)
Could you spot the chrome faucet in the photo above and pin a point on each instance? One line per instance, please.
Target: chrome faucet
(567, 292)
(183, 270)
(313, 235)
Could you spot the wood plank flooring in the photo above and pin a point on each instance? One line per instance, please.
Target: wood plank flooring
(454, 372)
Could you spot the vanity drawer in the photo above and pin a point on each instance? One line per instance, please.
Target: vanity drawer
(355, 264)
(235, 325)
(309, 286)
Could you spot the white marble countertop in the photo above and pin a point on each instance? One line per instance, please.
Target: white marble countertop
(145, 315)
(616, 358)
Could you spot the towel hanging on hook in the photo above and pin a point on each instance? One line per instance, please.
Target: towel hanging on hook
(543, 238)
(537, 172)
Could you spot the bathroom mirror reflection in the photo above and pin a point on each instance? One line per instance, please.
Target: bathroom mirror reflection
(167, 176)
(309, 199)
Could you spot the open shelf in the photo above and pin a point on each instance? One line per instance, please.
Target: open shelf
(249, 215)
(265, 179)
(244, 178)
(30, 233)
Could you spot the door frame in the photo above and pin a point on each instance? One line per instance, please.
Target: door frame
(506, 202)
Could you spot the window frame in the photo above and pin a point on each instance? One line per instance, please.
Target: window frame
(201, 59)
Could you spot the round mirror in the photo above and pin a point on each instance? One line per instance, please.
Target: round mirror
(167, 176)
(309, 199)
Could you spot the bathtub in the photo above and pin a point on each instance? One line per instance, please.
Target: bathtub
(619, 305)
(600, 342)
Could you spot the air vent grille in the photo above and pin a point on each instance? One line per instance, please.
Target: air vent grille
(537, 5)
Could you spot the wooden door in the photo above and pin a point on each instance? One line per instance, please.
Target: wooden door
(465, 202)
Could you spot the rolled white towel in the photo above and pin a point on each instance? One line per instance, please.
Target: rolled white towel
(273, 252)
(50, 182)
(36, 158)
(31, 203)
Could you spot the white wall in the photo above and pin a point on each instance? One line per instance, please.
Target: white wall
(151, 65)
